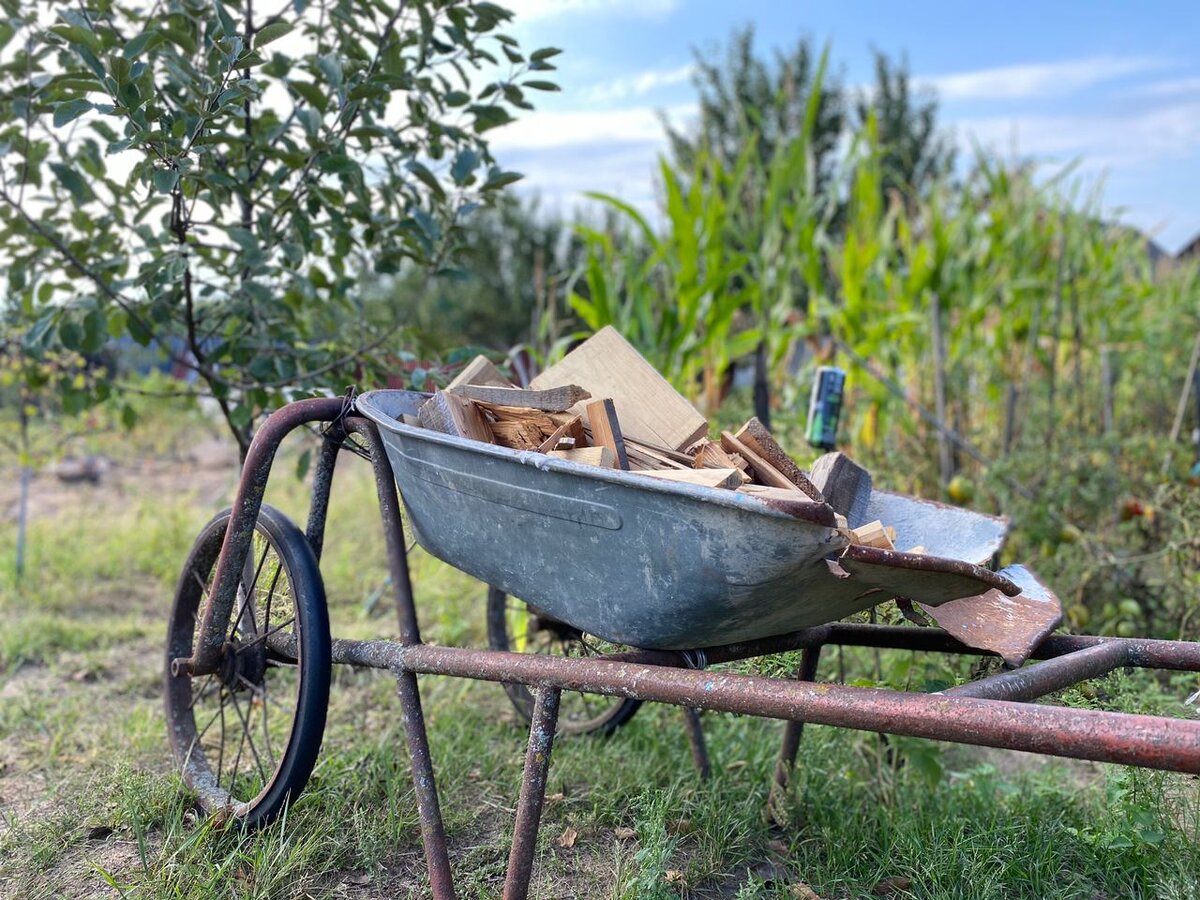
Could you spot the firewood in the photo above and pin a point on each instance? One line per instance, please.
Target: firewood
(845, 485)
(754, 434)
(480, 370)
(450, 414)
(764, 472)
(714, 478)
(571, 430)
(712, 456)
(520, 428)
(873, 534)
(606, 430)
(591, 456)
(650, 410)
(557, 399)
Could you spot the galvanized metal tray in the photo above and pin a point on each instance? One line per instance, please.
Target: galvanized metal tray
(663, 565)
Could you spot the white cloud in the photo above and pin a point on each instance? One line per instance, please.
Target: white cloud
(1103, 141)
(529, 10)
(594, 128)
(1175, 88)
(1036, 79)
(637, 85)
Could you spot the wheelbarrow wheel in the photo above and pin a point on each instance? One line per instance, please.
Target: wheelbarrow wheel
(514, 626)
(245, 738)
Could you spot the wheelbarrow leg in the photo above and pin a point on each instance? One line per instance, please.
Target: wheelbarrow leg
(786, 762)
(695, 733)
(533, 793)
(433, 832)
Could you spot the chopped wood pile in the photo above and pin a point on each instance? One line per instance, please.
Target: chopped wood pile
(604, 405)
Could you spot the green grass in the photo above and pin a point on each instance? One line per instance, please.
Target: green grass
(90, 805)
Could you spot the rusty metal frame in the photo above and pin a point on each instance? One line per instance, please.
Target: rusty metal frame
(994, 711)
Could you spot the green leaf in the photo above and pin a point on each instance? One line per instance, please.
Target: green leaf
(331, 67)
(541, 85)
(129, 416)
(427, 178)
(272, 32)
(140, 43)
(72, 181)
(165, 180)
(464, 165)
(70, 110)
(310, 92)
(498, 179)
(70, 334)
(139, 332)
(544, 54)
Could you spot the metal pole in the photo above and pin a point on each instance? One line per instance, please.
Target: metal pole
(696, 741)
(533, 792)
(785, 764)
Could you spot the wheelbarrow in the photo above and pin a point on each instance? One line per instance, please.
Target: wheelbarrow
(656, 581)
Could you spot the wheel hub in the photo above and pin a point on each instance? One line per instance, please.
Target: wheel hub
(243, 665)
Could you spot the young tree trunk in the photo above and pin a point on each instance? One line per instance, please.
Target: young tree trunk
(22, 518)
(762, 390)
(945, 448)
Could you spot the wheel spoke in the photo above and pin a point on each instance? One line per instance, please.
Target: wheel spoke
(247, 736)
(262, 637)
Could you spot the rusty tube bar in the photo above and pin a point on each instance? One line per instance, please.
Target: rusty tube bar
(1143, 652)
(785, 763)
(214, 622)
(1149, 741)
(1048, 676)
(533, 792)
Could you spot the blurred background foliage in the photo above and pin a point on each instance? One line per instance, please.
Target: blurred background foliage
(1007, 345)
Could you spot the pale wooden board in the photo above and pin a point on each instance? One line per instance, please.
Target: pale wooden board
(606, 429)
(557, 399)
(649, 409)
(480, 370)
(714, 478)
(571, 429)
(592, 456)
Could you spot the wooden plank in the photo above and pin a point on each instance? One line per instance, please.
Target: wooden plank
(454, 415)
(713, 456)
(520, 428)
(591, 456)
(650, 409)
(571, 430)
(480, 370)
(754, 434)
(558, 399)
(653, 458)
(606, 429)
(873, 534)
(763, 470)
(845, 485)
(713, 478)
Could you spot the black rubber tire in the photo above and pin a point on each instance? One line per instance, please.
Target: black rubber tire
(308, 676)
(619, 711)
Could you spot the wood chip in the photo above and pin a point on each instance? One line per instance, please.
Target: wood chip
(558, 399)
(650, 409)
(625, 833)
(567, 839)
(606, 430)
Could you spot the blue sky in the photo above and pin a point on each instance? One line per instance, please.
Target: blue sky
(1116, 85)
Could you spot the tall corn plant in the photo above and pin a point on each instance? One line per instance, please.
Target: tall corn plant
(673, 294)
